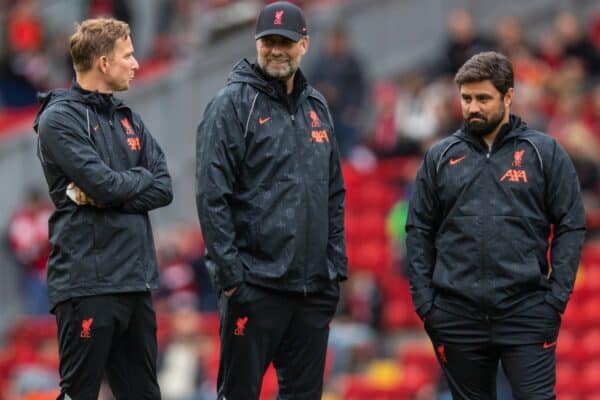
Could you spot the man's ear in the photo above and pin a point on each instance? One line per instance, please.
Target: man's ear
(305, 42)
(508, 97)
(102, 64)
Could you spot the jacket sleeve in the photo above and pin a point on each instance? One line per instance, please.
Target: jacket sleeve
(160, 192)
(336, 245)
(73, 151)
(220, 149)
(421, 227)
(566, 213)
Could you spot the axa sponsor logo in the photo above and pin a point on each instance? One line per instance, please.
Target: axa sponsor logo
(317, 135)
(517, 173)
(134, 144)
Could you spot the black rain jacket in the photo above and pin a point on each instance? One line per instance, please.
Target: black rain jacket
(269, 187)
(100, 144)
(480, 219)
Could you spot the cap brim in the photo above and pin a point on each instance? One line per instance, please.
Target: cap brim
(295, 36)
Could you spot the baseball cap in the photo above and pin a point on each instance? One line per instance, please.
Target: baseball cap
(281, 18)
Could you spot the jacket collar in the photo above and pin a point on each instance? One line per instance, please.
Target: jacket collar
(513, 128)
(247, 72)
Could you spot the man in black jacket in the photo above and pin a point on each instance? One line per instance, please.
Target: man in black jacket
(270, 199)
(486, 201)
(104, 172)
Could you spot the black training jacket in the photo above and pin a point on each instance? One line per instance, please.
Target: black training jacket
(269, 186)
(479, 222)
(100, 144)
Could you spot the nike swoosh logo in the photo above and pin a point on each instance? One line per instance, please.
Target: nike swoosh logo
(263, 121)
(454, 161)
(548, 345)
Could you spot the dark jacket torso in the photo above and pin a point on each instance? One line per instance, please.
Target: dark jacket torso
(270, 193)
(480, 220)
(101, 145)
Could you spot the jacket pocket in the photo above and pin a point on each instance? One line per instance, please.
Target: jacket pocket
(118, 248)
(273, 232)
(78, 239)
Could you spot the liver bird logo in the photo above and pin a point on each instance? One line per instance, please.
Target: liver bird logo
(278, 18)
(240, 326)
(86, 326)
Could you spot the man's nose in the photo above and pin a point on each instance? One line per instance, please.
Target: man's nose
(474, 107)
(276, 49)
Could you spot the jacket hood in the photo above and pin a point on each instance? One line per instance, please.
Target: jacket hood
(515, 127)
(99, 102)
(246, 72)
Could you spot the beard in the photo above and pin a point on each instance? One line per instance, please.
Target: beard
(283, 73)
(484, 126)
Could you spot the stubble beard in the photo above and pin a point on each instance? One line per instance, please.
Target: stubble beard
(281, 74)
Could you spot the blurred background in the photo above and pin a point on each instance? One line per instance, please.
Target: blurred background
(386, 68)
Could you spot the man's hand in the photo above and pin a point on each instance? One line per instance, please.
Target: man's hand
(230, 292)
(78, 196)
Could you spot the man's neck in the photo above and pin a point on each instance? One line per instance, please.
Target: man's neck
(489, 138)
(289, 85)
(90, 82)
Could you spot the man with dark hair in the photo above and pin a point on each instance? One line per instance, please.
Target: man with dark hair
(270, 198)
(486, 201)
(104, 172)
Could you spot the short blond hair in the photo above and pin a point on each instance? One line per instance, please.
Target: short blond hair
(94, 38)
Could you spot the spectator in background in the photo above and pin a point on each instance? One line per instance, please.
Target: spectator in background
(509, 36)
(384, 138)
(338, 75)
(118, 9)
(29, 245)
(463, 41)
(183, 373)
(575, 43)
(24, 66)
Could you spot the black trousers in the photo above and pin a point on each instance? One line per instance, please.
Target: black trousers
(469, 349)
(291, 330)
(112, 336)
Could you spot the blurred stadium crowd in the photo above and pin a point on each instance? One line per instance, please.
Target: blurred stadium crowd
(384, 123)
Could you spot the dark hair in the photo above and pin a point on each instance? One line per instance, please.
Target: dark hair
(488, 65)
(93, 38)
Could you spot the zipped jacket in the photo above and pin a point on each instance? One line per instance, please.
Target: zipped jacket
(269, 187)
(480, 221)
(100, 144)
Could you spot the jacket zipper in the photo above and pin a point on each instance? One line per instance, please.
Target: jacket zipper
(484, 235)
(299, 144)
